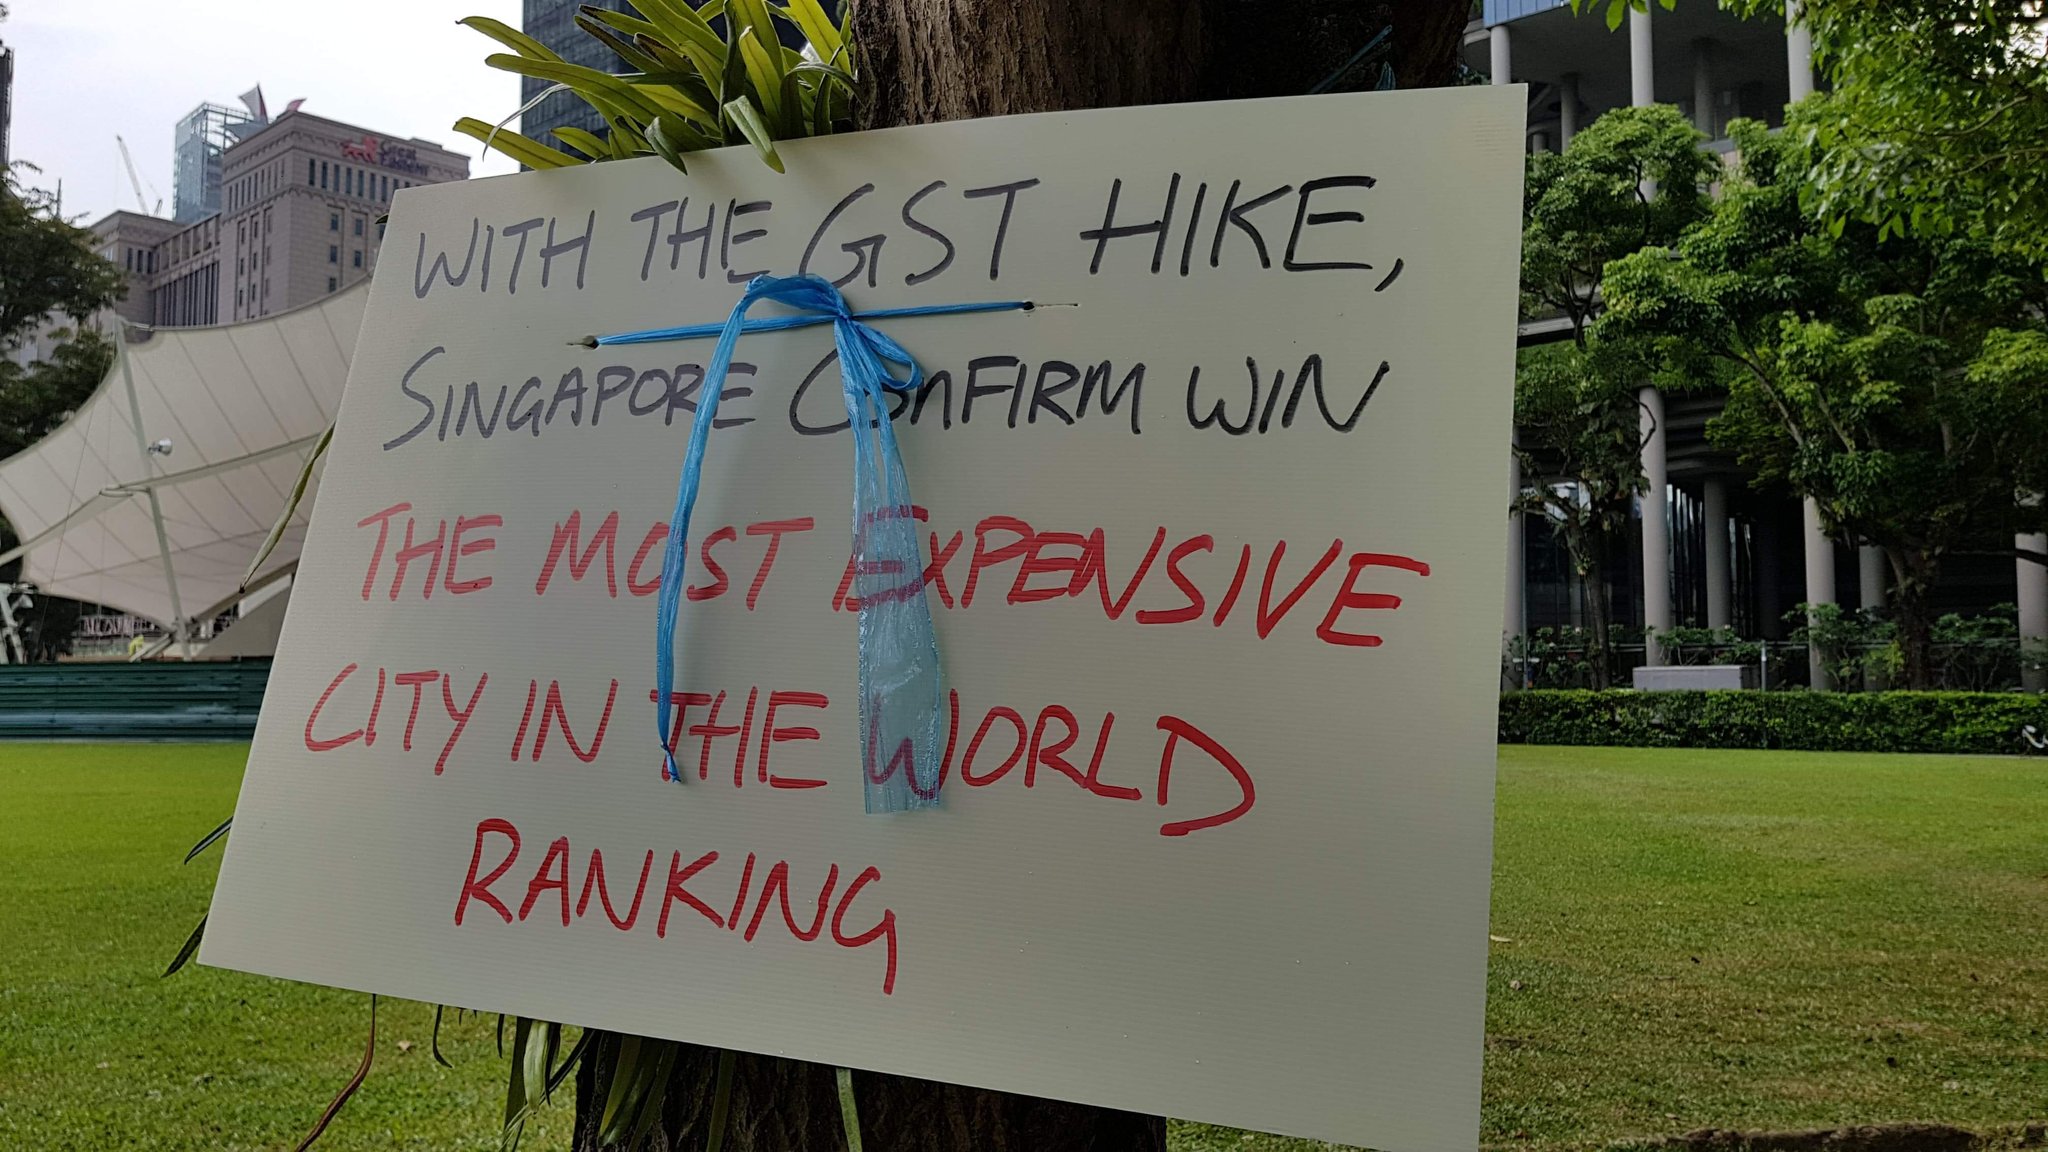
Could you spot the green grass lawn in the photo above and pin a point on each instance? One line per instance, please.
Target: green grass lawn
(1683, 939)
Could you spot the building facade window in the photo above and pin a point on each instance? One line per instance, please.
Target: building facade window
(358, 257)
(311, 164)
(334, 254)
(334, 221)
(359, 225)
(323, 175)
(330, 284)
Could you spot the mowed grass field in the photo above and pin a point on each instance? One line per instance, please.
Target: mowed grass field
(1682, 940)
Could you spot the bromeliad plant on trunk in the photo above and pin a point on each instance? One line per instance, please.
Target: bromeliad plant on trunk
(704, 77)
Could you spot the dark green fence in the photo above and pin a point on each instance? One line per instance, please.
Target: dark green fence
(156, 701)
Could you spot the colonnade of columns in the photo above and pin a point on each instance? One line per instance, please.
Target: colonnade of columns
(1818, 548)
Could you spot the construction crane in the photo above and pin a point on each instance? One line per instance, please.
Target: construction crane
(135, 181)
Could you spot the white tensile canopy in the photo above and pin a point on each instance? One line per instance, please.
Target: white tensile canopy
(169, 535)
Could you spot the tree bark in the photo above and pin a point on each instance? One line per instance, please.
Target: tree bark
(923, 61)
(1914, 575)
(783, 1105)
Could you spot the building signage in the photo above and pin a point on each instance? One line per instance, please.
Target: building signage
(384, 153)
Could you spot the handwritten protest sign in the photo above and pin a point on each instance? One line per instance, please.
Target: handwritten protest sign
(1213, 553)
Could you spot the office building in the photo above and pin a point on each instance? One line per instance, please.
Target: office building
(1714, 550)
(299, 199)
(553, 23)
(299, 203)
(130, 240)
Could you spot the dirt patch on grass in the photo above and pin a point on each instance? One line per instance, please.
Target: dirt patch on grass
(1864, 1138)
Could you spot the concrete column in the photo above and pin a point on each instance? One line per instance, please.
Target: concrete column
(1871, 569)
(1703, 86)
(1720, 590)
(1798, 54)
(1567, 109)
(1539, 141)
(1642, 75)
(1656, 529)
(2033, 602)
(1820, 583)
(1500, 57)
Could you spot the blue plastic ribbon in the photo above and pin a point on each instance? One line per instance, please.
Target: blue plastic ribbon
(902, 686)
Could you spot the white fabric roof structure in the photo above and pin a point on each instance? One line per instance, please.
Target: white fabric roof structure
(242, 406)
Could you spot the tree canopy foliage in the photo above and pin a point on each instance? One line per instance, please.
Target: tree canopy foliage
(1635, 178)
(47, 267)
(1894, 379)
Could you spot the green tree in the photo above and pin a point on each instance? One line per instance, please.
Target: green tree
(1937, 122)
(1893, 380)
(35, 399)
(47, 268)
(1636, 178)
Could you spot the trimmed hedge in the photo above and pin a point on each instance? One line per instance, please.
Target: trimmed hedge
(1978, 722)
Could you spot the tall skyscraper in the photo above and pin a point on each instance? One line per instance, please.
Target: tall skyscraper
(553, 23)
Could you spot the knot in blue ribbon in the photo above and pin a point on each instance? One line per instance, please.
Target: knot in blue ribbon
(901, 681)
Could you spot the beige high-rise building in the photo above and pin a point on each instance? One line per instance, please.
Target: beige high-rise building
(300, 199)
(299, 206)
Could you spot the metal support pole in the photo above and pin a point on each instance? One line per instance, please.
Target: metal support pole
(179, 624)
(1513, 616)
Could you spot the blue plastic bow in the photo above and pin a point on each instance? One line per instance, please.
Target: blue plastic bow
(902, 686)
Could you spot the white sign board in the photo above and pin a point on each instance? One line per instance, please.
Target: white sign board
(1215, 563)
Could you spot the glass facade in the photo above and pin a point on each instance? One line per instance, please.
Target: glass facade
(202, 136)
(553, 23)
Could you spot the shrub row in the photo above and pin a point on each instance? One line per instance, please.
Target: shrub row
(1979, 722)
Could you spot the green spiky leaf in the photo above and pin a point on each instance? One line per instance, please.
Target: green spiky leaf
(527, 152)
(748, 121)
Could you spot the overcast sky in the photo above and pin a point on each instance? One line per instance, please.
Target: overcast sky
(86, 70)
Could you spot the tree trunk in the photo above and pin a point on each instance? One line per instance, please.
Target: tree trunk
(923, 61)
(790, 1106)
(1591, 563)
(1915, 575)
